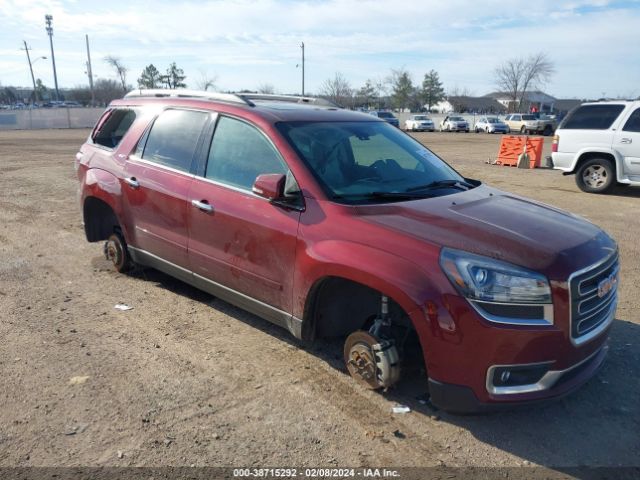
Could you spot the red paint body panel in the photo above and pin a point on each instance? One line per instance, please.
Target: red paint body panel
(246, 243)
(276, 255)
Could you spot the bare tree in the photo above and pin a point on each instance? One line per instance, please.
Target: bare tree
(266, 88)
(206, 81)
(338, 90)
(517, 75)
(120, 69)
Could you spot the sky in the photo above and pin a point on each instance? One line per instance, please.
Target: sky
(594, 44)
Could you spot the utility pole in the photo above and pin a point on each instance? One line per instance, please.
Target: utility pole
(90, 73)
(302, 47)
(48, 19)
(33, 79)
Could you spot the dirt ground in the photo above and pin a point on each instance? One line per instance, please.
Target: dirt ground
(185, 379)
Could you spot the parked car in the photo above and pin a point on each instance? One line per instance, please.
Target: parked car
(386, 116)
(332, 223)
(600, 144)
(419, 123)
(527, 123)
(491, 125)
(454, 123)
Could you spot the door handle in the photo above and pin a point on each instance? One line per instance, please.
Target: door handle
(626, 140)
(132, 182)
(202, 205)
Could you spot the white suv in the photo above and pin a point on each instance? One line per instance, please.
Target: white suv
(600, 144)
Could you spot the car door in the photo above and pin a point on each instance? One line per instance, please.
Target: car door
(627, 143)
(241, 246)
(157, 178)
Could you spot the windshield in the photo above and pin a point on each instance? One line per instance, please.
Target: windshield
(457, 119)
(420, 117)
(385, 115)
(360, 162)
(492, 120)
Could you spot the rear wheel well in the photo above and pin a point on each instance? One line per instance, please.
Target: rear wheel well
(589, 155)
(100, 221)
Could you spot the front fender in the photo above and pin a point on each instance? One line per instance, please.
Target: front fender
(405, 282)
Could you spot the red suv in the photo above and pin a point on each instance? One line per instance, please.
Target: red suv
(333, 223)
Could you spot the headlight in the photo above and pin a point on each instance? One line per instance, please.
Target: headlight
(499, 291)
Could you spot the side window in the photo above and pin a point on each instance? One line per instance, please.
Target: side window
(111, 130)
(517, 118)
(592, 117)
(173, 138)
(633, 124)
(239, 153)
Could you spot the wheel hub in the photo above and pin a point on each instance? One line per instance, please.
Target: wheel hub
(371, 362)
(113, 252)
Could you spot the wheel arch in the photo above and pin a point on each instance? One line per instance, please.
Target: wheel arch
(590, 154)
(101, 205)
(406, 285)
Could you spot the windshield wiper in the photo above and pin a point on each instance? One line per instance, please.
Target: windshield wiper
(385, 195)
(460, 184)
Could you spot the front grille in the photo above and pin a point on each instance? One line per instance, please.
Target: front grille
(594, 294)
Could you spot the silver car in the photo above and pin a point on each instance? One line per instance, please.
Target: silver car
(491, 125)
(454, 123)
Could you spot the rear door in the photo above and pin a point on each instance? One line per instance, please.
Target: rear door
(156, 184)
(242, 247)
(627, 142)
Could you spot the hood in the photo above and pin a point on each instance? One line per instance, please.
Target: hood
(496, 224)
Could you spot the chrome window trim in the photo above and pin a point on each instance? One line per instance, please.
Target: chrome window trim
(137, 159)
(547, 381)
(546, 321)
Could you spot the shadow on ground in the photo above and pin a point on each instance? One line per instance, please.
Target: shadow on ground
(599, 424)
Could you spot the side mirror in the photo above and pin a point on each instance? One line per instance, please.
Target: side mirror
(269, 186)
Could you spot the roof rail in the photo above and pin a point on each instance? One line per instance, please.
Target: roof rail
(184, 93)
(241, 98)
(288, 98)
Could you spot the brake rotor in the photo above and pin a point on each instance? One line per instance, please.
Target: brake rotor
(371, 362)
(360, 358)
(113, 251)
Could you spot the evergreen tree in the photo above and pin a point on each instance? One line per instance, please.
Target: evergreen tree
(174, 78)
(432, 90)
(150, 77)
(401, 89)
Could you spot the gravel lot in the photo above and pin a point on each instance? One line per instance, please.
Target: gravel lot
(185, 379)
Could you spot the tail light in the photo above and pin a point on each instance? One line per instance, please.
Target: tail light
(554, 143)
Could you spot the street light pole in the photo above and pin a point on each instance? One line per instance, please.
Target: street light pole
(33, 79)
(302, 47)
(48, 19)
(90, 73)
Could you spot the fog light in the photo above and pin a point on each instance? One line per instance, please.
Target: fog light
(519, 375)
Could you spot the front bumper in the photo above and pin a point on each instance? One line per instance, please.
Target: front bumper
(462, 400)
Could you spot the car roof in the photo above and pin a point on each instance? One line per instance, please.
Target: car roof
(272, 108)
(613, 102)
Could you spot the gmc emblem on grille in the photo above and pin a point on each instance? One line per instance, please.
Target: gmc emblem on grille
(606, 284)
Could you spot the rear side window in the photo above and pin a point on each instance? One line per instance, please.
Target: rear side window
(592, 117)
(173, 138)
(633, 124)
(112, 128)
(239, 153)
